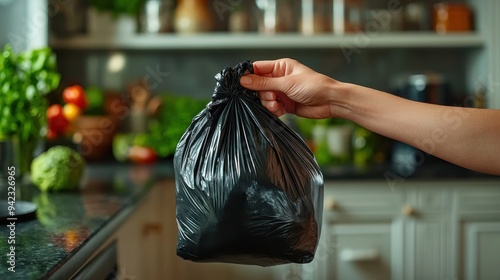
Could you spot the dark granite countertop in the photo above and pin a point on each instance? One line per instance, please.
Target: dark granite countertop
(70, 226)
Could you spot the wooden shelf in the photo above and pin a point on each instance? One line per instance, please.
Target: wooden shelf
(278, 41)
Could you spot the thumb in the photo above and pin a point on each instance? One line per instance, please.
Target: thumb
(256, 82)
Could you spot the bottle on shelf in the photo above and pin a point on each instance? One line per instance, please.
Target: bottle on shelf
(276, 16)
(157, 16)
(316, 17)
(347, 16)
(193, 16)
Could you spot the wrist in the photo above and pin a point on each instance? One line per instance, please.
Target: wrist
(339, 95)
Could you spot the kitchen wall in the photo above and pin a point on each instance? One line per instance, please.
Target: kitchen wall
(191, 72)
(24, 23)
(115, 66)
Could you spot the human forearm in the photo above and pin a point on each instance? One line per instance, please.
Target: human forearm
(464, 136)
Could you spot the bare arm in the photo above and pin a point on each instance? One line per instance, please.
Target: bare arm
(464, 136)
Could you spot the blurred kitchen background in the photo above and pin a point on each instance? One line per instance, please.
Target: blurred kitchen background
(148, 66)
(133, 52)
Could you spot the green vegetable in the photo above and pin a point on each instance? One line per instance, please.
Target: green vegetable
(95, 98)
(174, 117)
(59, 168)
(24, 81)
(121, 146)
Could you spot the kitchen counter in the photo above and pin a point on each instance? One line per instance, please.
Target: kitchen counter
(71, 226)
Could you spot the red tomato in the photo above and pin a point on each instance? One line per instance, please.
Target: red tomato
(56, 119)
(51, 134)
(142, 155)
(75, 95)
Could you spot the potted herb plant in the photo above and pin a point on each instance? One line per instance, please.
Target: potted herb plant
(25, 79)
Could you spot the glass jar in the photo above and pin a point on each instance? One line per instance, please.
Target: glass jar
(451, 17)
(348, 16)
(193, 16)
(316, 16)
(277, 16)
(10, 156)
(157, 16)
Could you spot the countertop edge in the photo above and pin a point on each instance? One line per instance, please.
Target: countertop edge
(74, 263)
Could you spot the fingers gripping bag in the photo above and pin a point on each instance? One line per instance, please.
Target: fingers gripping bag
(248, 189)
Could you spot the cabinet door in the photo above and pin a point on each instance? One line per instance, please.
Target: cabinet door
(362, 233)
(140, 240)
(478, 210)
(482, 251)
(363, 252)
(427, 233)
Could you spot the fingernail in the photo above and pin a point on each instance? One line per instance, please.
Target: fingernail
(268, 95)
(245, 80)
(272, 105)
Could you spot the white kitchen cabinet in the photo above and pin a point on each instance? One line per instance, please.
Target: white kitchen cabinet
(427, 232)
(481, 251)
(478, 215)
(364, 251)
(419, 230)
(362, 233)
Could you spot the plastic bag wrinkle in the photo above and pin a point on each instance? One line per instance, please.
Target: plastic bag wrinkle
(248, 190)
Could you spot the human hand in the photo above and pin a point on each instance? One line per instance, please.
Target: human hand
(287, 86)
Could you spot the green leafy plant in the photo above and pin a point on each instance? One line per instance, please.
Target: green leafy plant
(25, 79)
(175, 116)
(119, 7)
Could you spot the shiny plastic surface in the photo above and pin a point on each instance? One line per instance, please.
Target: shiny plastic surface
(248, 189)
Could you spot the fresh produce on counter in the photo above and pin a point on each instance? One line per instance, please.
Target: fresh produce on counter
(71, 111)
(142, 155)
(133, 148)
(57, 123)
(60, 117)
(163, 132)
(77, 102)
(58, 169)
(75, 95)
(172, 120)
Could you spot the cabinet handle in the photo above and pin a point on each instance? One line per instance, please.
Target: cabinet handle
(408, 210)
(331, 203)
(356, 255)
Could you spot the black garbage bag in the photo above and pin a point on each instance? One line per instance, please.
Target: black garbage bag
(248, 189)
